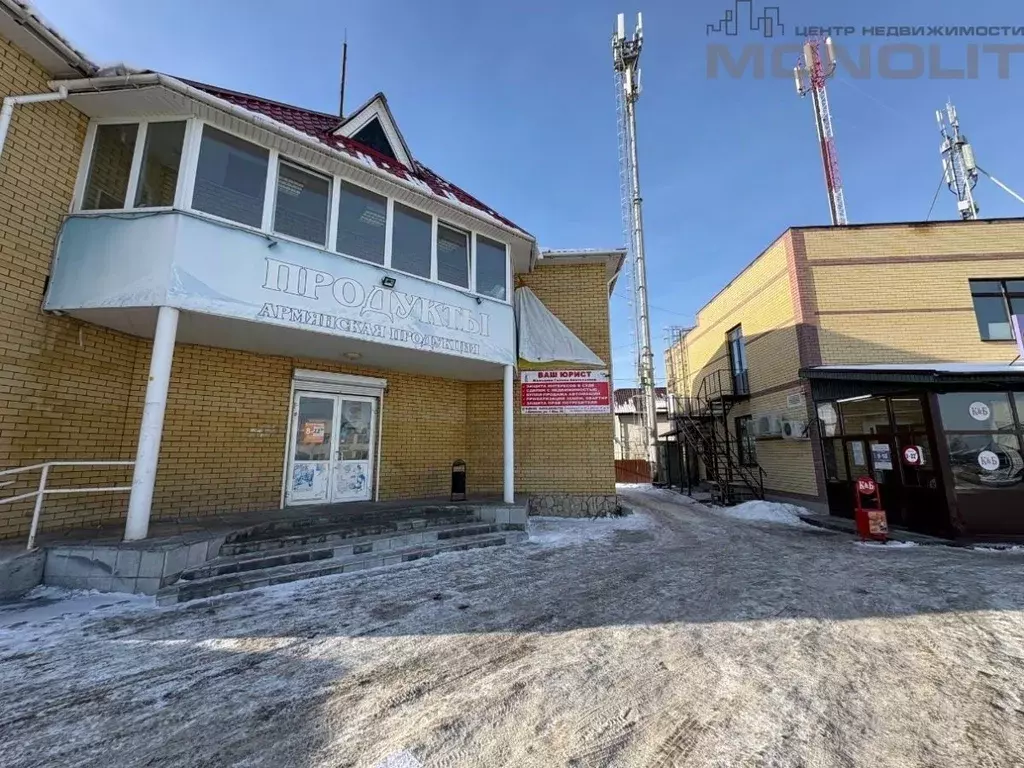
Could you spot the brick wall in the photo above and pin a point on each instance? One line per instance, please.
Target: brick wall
(901, 294)
(885, 294)
(762, 300)
(64, 385)
(74, 391)
(554, 454)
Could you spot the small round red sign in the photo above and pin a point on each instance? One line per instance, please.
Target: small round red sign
(866, 485)
(911, 455)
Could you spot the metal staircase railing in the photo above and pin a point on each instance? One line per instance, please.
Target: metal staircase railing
(704, 426)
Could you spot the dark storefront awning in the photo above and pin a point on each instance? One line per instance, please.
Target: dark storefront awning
(920, 373)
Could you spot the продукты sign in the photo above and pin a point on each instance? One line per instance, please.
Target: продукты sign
(566, 391)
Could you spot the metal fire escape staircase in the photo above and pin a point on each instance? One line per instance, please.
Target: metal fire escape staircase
(703, 425)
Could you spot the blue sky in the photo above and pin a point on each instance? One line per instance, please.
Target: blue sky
(515, 102)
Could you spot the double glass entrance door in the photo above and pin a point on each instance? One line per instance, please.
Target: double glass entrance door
(332, 448)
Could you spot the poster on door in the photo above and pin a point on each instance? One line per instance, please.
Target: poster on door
(566, 392)
(881, 456)
(313, 432)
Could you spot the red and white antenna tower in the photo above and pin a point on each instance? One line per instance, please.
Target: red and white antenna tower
(811, 72)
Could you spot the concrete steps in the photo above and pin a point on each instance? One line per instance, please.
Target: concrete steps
(194, 589)
(331, 532)
(325, 552)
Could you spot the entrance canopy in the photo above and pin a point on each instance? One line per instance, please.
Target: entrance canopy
(920, 373)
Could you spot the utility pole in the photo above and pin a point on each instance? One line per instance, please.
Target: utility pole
(626, 58)
(811, 72)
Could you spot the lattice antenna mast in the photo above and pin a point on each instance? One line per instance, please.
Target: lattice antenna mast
(626, 59)
(958, 163)
(811, 72)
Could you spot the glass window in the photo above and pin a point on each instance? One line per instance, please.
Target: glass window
(858, 455)
(868, 416)
(303, 201)
(992, 317)
(994, 302)
(491, 268)
(362, 220)
(161, 157)
(231, 178)
(410, 241)
(738, 361)
(452, 256)
(835, 461)
(110, 166)
(976, 411)
(985, 461)
(745, 441)
(908, 413)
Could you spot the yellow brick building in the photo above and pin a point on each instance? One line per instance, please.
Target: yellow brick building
(260, 305)
(829, 323)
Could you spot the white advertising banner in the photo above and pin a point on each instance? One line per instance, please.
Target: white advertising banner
(187, 262)
(568, 391)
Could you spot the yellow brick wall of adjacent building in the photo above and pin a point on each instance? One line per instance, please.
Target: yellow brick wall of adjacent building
(64, 385)
(906, 298)
(788, 464)
(760, 299)
(554, 454)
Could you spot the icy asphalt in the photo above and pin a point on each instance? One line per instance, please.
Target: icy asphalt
(676, 637)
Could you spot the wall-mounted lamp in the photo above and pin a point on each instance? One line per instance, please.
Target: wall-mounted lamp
(479, 300)
(271, 243)
(388, 281)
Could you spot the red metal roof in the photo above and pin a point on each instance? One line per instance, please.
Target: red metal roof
(322, 126)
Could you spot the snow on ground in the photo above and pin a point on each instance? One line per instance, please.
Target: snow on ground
(560, 532)
(891, 544)
(45, 604)
(688, 640)
(765, 512)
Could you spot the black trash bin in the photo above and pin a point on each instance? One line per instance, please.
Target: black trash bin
(458, 480)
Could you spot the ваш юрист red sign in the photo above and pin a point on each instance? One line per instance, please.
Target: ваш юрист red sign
(566, 392)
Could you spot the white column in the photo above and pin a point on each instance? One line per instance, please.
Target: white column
(144, 477)
(508, 454)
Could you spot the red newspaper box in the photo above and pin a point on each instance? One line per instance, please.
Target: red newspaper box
(869, 515)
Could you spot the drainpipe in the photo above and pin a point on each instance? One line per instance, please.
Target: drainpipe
(10, 102)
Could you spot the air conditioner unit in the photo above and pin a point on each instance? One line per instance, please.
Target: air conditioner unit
(768, 425)
(795, 430)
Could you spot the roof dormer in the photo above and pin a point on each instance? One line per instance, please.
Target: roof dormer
(374, 126)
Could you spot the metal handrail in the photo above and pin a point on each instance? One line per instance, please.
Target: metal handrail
(41, 491)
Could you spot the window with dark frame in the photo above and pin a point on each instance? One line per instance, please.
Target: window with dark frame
(738, 361)
(995, 301)
(746, 445)
(983, 435)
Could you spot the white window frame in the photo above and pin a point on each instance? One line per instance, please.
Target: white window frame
(331, 184)
(191, 146)
(438, 223)
(389, 209)
(508, 270)
(142, 127)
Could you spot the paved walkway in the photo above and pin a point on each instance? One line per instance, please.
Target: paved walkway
(675, 637)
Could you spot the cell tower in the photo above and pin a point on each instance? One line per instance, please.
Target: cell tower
(811, 72)
(626, 58)
(958, 163)
(960, 166)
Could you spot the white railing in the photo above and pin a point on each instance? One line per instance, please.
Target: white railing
(41, 491)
